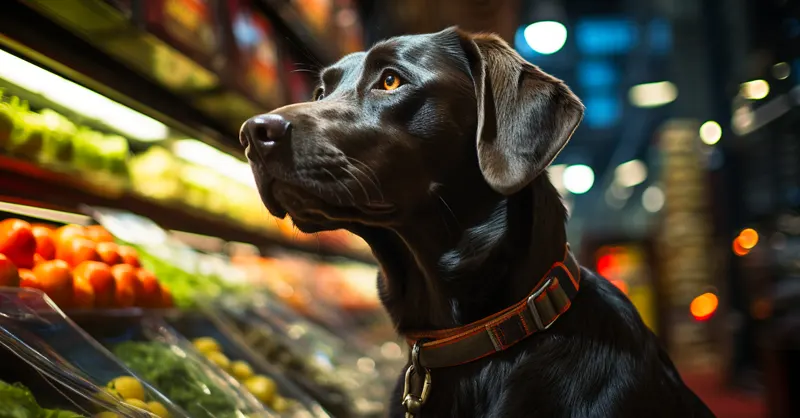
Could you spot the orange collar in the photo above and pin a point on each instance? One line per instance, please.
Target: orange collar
(550, 298)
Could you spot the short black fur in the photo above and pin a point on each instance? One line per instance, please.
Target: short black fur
(444, 179)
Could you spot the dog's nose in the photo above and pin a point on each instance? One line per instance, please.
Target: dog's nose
(268, 128)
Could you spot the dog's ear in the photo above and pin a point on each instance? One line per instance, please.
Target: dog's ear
(525, 116)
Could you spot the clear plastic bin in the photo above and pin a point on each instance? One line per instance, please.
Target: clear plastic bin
(52, 365)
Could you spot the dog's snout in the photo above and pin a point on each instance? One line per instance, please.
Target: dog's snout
(269, 129)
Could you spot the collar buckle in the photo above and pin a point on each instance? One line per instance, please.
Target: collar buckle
(537, 318)
(411, 401)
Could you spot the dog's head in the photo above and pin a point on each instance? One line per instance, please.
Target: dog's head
(389, 126)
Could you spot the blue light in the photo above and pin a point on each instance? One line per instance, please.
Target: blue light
(597, 74)
(602, 110)
(605, 36)
(660, 36)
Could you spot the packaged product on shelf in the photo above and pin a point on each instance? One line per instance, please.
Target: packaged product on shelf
(256, 53)
(61, 371)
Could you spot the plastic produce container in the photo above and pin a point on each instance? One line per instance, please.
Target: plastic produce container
(343, 379)
(225, 347)
(162, 357)
(52, 368)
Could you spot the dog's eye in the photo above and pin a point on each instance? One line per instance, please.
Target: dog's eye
(391, 81)
(319, 94)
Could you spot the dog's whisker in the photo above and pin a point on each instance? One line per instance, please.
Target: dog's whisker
(341, 183)
(360, 184)
(449, 209)
(367, 167)
(376, 186)
(370, 174)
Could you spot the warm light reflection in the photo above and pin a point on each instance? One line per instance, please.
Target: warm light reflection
(704, 306)
(748, 238)
(738, 249)
(754, 90)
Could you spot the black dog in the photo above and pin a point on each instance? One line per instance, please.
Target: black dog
(433, 149)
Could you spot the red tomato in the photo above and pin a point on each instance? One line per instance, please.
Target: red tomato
(127, 285)
(83, 294)
(98, 275)
(109, 253)
(17, 242)
(54, 278)
(77, 250)
(167, 301)
(97, 233)
(9, 275)
(45, 244)
(67, 232)
(150, 294)
(129, 255)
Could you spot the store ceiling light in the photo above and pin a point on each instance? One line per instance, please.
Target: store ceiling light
(80, 99)
(781, 71)
(653, 199)
(546, 37)
(754, 90)
(578, 179)
(207, 156)
(653, 94)
(631, 173)
(710, 132)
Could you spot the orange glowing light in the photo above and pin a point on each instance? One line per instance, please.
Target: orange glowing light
(738, 249)
(704, 306)
(748, 238)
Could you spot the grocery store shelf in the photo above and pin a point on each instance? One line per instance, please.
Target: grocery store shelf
(26, 183)
(65, 53)
(287, 20)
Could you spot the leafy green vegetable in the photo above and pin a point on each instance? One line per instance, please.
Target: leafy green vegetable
(55, 413)
(17, 401)
(178, 379)
(185, 287)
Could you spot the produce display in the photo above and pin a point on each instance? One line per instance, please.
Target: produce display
(262, 387)
(323, 364)
(122, 319)
(17, 401)
(77, 267)
(159, 174)
(50, 138)
(52, 368)
(181, 381)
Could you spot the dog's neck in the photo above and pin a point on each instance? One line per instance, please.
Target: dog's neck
(460, 262)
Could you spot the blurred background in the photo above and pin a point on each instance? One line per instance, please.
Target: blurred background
(683, 182)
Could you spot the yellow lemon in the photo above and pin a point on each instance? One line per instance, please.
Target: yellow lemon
(262, 387)
(241, 370)
(127, 387)
(138, 403)
(220, 360)
(206, 345)
(158, 409)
